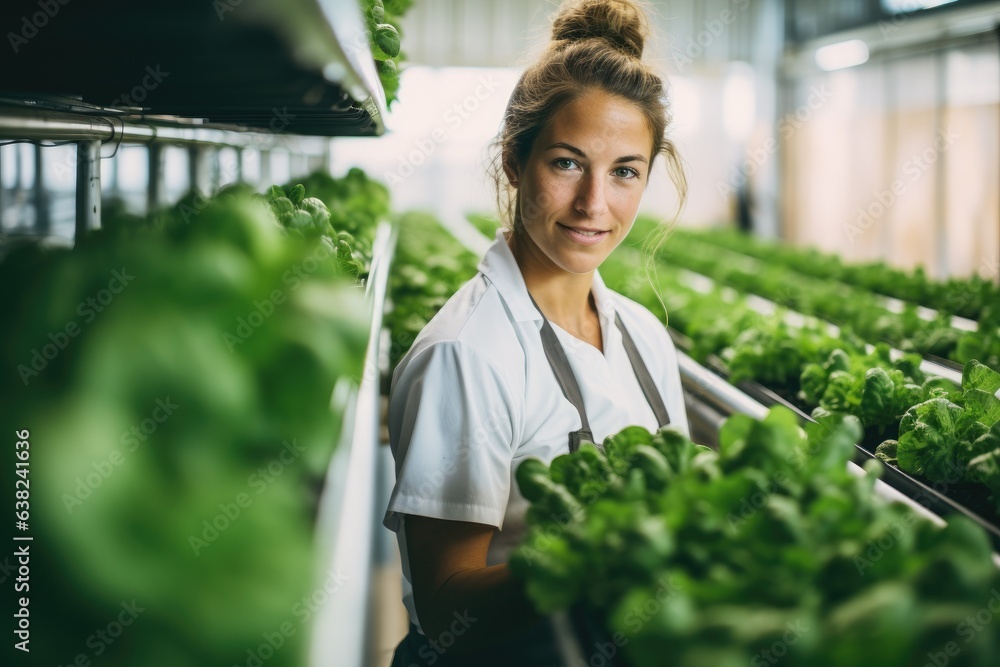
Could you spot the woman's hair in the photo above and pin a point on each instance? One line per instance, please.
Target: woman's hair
(596, 45)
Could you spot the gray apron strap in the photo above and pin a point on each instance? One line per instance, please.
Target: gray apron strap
(642, 375)
(556, 355)
(571, 389)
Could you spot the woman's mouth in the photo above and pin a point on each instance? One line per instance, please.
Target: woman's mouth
(583, 235)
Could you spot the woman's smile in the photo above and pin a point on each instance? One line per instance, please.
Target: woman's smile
(581, 185)
(585, 236)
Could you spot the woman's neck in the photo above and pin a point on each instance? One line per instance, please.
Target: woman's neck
(563, 297)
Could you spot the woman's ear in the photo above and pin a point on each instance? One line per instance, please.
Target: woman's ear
(511, 170)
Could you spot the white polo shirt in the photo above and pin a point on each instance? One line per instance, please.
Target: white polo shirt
(475, 396)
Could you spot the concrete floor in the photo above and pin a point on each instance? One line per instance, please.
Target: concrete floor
(389, 619)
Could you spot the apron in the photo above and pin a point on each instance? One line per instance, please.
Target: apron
(571, 390)
(536, 646)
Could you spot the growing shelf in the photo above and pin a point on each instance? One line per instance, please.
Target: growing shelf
(345, 523)
(291, 66)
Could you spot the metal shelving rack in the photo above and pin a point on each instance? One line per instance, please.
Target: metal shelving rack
(261, 74)
(247, 75)
(346, 520)
(89, 133)
(232, 63)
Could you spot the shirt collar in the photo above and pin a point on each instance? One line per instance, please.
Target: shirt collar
(499, 265)
(604, 299)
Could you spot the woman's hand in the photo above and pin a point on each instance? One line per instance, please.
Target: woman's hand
(453, 589)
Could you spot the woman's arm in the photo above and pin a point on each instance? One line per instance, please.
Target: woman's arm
(453, 589)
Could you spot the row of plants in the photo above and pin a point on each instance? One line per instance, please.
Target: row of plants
(974, 298)
(356, 204)
(428, 267)
(768, 550)
(816, 371)
(172, 375)
(382, 20)
(847, 306)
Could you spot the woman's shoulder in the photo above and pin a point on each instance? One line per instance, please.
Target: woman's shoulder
(474, 315)
(475, 322)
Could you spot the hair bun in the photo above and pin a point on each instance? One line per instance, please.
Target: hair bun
(621, 23)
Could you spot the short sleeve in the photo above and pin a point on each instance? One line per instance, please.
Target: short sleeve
(451, 428)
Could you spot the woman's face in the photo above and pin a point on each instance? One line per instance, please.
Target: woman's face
(581, 185)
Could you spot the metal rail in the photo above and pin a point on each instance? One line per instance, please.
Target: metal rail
(345, 522)
(714, 390)
(894, 305)
(467, 234)
(45, 125)
(90, 131)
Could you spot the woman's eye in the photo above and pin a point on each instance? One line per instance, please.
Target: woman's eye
(565, 163)
(626, 172)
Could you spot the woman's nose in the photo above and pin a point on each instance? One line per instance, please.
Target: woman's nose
(590, 199)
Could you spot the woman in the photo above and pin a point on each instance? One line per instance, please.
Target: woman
(534, 354)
